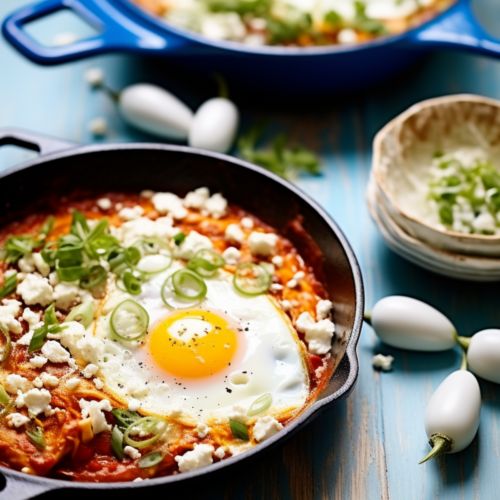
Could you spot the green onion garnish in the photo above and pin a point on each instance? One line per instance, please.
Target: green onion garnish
(79, 226)
(239, 430)
(49, 253)
(251, 279)
(97, 274)
(8, 344)
(150, 245)
(9, 286)
(51, 325)
(179, 238)
(132, 255)
(17, 246)
(125, 418)
(154, 426)
(4, 397)
(260, 405)
(153, 264)
(129, 321)
(188, 285)
(72, 273)
(47, 226)
(117, 442)
(36, 435)
(131, 283)
(151, 459)
(206, 262)
(172, 300)
(84, 313)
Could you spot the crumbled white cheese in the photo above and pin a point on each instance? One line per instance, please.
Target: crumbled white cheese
(286, 305)
(132, 452)
(382, 362)
(202, 430)
(169, 203)
(292, 283)
(66, 295)
(37, 401)
(197, 198)
(484, 222)
(36, 290)
(201, 456)
(38, 361)
(220, 453)
(104, 203)
(54, 279)
(134, 404)
(231, 255)
(247, 223)
(32, 318)
(16, 420)
(54, 352)
(15, 383)
(98, 126)
(94, 410)
(162, 228)
(9, 273)
(192, 244)
(42, 266)
(223, 25)
(137, 389)
(237, 412)
(38, 383)
(8, 312)
(129, 214)
(263, 244)
(90, 349)
(265, 427)
(346, 36)
(277, 260)
(70, 336)
(323, 308)
(99, 384)
(49, 380)
(90, 370)
(234, 233)
(72, 383)
(147, 193)
(175, 412)
(318, 335)
(299, 276)
(276, 287)
(25, 339)
(216, 206)
(26, 263)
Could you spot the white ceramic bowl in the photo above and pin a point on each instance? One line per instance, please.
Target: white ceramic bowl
(403, 151)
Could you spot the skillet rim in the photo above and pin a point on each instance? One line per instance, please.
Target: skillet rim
(313, 411)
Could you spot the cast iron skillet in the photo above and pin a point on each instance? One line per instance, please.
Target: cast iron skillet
(64, 166)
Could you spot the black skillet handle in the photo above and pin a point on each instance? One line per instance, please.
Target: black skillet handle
(20, 486)
(33, 141)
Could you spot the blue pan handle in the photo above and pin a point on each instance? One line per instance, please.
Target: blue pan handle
(117, 32)
(33, 141)
(457, 28)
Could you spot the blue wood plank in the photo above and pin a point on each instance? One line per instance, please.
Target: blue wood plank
(369, 446)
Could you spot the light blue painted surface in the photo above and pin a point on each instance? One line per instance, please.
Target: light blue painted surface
(368, 447)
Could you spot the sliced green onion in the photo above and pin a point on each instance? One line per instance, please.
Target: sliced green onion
(4, 397)
(70, 255)
(132, 255)
(49, 253)
(152, 264)
(131, 283)
(117, 442)
(150, 245)
(239, 430)
(47, 226)
(51, 325)
(155, 426)
(8, 408)
(79, 226)
(38, 339)
(260, 405)
(206, 262)
(179, 238)
(7, 347)
(97, 274)
(9, 286)
(36, 435)
(72, 273)
(84, 313)
(103, 244)
(129, 321)
(172, 300)
(125, 418)
(17, 246)
(94, 235)
(251, 279)
(49, 317)
(150, 460)
(188, 285)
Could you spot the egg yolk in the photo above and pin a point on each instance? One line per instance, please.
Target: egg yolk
(193, 344)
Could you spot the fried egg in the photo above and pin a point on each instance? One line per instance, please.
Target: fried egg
(227, 350)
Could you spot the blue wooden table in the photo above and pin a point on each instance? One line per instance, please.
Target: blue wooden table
(369, 446)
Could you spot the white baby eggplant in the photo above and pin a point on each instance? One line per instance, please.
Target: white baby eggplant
(214, 125)
(452, 415)
(156, 111)
(408, 323)
(483, 354)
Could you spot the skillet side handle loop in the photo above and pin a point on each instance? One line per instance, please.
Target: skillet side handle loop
(35, 142)
(457, 28)
(17, 488)
(117, 32)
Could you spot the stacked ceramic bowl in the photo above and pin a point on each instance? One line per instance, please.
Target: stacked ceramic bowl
(400, 178)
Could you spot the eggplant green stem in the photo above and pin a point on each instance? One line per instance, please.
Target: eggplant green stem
(223, 88)
(463, 366)
(463, 341)
(368, 318)
(115, 96)
(440, 444)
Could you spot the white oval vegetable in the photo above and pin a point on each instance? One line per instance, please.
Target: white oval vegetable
(214, 125)
(411, 324)
(452, 415)
(483, 355)
(154, 110)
